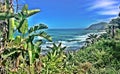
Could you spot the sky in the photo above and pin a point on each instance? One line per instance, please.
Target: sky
(64, 14)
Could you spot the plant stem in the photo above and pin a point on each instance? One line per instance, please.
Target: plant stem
(30, 61)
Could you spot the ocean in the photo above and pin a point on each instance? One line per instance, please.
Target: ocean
(72, 39)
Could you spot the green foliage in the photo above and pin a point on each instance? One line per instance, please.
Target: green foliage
(53, 61)
(21, 18)
(116, 21)
(23, 26)
(22, 50)
(92, 38)
(37, 27)
(102, 54)
(4, 16)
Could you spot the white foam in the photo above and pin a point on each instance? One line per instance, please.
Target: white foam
(63, 42)
(81, 38)
(84, 37)
(38, 37)
(74, 43)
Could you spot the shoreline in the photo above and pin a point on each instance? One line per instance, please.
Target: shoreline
(72, 44)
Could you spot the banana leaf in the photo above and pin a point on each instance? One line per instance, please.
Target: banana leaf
(32, 12)
(4, 16)
(23, 26)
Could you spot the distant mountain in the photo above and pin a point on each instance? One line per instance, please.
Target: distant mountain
(98, 26)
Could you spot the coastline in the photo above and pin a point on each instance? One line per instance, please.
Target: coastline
(72, 44)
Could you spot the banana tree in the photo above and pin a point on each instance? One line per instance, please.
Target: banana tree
(26, 47)
(16, 20)
(22, 45)
(20, 22)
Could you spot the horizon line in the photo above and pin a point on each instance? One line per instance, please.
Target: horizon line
(66, 28)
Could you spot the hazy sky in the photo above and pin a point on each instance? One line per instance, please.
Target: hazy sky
(72, 13)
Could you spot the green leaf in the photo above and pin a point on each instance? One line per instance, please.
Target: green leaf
(16, 24)
(30, 38)
(37, 27)
(11, 28)
(38, 42)
(17, 40)
(25, 46)
(49, 38)
(25, 8)
(29, 46)
(19, 16)
(31, 52)
(42, 26)
(31, 30)
(30, 57)
(4, 16)
(32, 12)
(44, 35)
(37, 49)
(60, 45)
(23, 26)
(54, 46)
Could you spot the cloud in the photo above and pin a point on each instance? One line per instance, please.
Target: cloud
(105, 7)
(103, 3)
(108, 12)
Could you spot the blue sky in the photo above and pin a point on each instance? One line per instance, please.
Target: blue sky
(72, 13)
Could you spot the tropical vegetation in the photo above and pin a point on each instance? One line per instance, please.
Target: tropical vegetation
(21, 54)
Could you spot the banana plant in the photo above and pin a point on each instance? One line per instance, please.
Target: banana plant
(34, 49)
(20, 22)
(53, 61)
(21, 18)
(16, 20)
(26, 47)
(22, 45)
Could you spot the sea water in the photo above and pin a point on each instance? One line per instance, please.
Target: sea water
(72, 39)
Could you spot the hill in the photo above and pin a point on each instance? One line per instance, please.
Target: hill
(98, 26)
